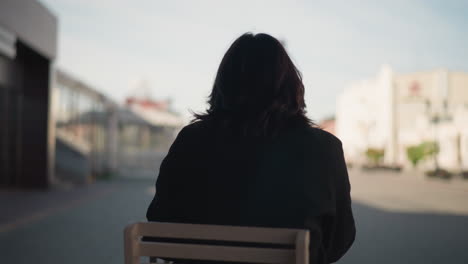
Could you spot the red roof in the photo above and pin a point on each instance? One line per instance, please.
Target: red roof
(147, 103)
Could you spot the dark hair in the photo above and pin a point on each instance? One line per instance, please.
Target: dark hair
(257, 88)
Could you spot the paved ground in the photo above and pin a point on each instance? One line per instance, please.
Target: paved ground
(395, 221)
(81, 230)
(402, 218)
(405, 192)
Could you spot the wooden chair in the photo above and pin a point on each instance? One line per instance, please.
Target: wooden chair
(296, 239)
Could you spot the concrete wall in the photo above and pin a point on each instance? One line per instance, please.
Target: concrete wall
(71, 164)
(32, 23)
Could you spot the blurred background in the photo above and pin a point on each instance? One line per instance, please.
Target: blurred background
(92, 94)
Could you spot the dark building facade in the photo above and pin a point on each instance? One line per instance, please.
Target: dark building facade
(28, 43)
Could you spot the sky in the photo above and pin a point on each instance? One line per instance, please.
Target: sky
(172, 49)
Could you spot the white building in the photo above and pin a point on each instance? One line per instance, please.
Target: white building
(393, 111)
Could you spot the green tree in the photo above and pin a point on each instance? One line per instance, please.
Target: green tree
(375, 155)
(421, 152)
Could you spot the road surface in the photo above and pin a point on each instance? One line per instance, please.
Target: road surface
(396, 222)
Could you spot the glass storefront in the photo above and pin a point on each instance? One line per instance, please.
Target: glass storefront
(95, 137)
(81, 122)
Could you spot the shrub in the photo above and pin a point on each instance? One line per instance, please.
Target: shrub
(422, 151)
(375, 155)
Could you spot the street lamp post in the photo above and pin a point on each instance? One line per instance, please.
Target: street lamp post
(435, 119)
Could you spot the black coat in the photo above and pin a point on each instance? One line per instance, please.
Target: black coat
(297, 180)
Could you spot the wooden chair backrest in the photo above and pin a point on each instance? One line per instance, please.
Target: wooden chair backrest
(296, 239)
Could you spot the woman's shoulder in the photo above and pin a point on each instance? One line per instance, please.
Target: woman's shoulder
(303, 135)
(194, 130)
(316, 136)
(192, 127)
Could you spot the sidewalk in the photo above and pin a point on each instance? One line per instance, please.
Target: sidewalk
(81, 225)
(20, 207)
(406, 192)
